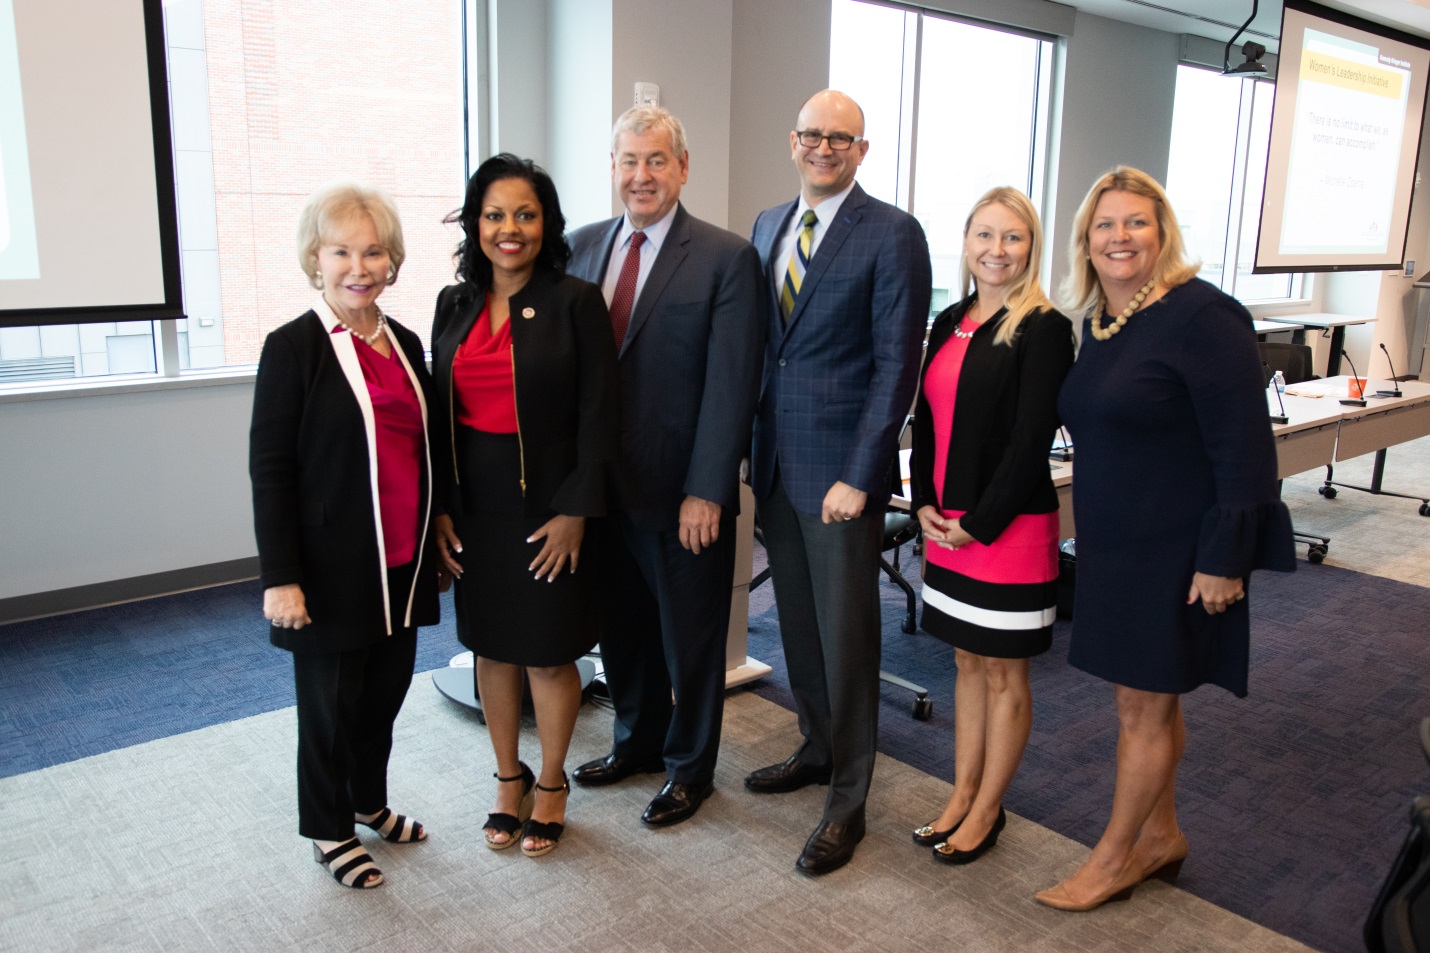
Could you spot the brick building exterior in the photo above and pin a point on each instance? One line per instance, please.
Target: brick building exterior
(301, 94)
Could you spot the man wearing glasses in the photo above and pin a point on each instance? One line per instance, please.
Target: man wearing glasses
(850, 282)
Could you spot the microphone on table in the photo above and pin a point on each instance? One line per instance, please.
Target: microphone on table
(1393, 382)
(1353, 401)
(1065, 452)
(1280, 418)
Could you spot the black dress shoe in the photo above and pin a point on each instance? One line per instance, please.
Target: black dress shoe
(830, 847)
(676, 802)
(613, 768)
(788, 775)
(948, 854)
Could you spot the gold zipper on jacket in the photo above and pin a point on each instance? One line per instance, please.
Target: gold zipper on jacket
(452, 415)
(520, 447)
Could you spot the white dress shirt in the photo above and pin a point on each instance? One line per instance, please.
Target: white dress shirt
(655, 234)
(825, 210)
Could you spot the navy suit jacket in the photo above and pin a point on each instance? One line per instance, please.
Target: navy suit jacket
(689, 366)
(840, 374)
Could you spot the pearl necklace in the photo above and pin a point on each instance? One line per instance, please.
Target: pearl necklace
(958, 331)
(1104, 334)
(370, 339)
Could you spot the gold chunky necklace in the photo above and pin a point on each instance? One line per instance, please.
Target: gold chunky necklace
(1104, 334)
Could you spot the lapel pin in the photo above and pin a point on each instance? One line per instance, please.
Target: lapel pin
(528, 312)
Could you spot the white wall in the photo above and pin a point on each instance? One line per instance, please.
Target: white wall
(109, 487)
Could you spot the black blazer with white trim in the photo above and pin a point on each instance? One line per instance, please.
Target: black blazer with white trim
(313, 463)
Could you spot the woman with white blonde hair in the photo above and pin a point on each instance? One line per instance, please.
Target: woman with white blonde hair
(1176, 504)
(983, 423)
(341, 464)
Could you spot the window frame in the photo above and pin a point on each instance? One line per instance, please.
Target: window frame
(1038, 180)
(1305, 291)
(170, 359)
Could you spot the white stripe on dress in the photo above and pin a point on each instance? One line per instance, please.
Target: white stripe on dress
(989, 618)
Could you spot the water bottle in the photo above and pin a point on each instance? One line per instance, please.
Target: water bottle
(1280, 381)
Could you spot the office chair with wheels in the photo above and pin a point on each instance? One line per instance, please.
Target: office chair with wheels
(900, 526)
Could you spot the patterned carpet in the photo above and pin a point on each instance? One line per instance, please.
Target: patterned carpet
(1294, 800)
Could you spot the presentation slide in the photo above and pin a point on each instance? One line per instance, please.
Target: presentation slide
(1350, 118)
(1344, 140)
(86, 227)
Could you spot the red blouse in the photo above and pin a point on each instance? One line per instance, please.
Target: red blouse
(482, 378)
(398, 416)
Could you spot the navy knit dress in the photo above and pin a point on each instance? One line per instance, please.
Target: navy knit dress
(1175, 474)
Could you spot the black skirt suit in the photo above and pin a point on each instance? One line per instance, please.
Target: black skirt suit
(507, 485)
(312, 460)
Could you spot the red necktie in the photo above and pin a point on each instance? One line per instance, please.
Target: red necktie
(625, 296)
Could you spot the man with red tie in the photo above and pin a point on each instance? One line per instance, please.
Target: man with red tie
(688, 310)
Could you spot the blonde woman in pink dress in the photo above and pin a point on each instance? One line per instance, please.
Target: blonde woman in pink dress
(983, 424)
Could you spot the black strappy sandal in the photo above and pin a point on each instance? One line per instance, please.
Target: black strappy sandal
(549, 831)
(508, 824)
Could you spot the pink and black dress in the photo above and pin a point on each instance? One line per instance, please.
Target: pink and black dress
(983, 426)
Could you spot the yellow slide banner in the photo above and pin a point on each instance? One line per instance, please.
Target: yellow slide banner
(1334, 71)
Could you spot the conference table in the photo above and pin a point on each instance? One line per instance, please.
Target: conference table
(1374, 428)
(1263, 327)
(1319, 432)
(1335, 323)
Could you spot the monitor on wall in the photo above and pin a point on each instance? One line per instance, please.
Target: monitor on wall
(1345, 138)
(88, 228)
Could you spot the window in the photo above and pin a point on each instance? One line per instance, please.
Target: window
(1220, 130)
(960, 108)
(259, 123)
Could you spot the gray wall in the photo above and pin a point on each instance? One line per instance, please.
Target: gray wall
(780, 58)
(110, 487)
(694, 80)
(1118, 87)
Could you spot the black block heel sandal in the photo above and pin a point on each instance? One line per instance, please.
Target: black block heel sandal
(350, 865)
(510, 824)
(546, 830)
(396, 828)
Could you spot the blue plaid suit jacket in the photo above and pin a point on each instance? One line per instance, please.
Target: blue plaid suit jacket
(840, 375)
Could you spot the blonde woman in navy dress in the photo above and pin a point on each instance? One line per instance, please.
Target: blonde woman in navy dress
(983, 424)
(1176, 504)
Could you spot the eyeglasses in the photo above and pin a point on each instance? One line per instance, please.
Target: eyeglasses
(838, 141)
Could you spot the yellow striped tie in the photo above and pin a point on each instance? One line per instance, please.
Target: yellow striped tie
(798, 263)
